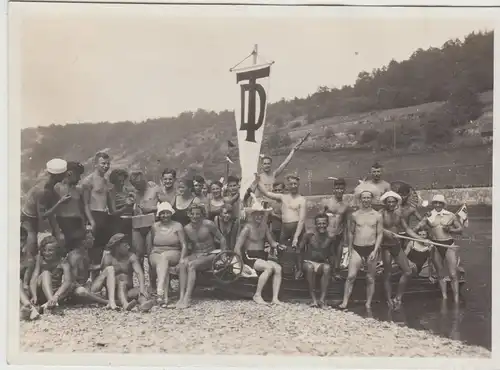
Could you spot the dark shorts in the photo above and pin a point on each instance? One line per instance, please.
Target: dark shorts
(104, 230)
(394, 249)
(442, 250)
(73, 229)
(418, 258)
(288, 231)
(364, 251)
(122, 226)
(250, 257)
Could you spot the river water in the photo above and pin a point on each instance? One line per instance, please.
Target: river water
(470, 322)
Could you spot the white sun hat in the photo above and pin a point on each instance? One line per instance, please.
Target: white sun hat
(57, 166)
(164, 206)
(439, 198)
(389, 194)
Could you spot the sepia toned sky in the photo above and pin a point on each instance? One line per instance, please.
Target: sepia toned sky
(93, 63)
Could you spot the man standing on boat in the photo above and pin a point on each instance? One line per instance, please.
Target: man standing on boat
(293, 214)
(365, 232)
(337, 211)
(394, 224)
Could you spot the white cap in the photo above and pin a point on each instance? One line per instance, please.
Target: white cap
(164, 206)
(57, 166)
(439, 198)
(390, 194)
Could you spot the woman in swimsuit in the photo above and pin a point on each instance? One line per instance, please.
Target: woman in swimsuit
(215, 201)
(441, 223)
(250, 247)
(167, 246)
(51, 279)
(182, 201)
(227, 225)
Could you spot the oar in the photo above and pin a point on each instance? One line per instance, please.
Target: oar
(421, 240)
(303, 139)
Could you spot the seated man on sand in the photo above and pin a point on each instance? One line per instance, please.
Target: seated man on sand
(202, 236)
(118, 267)
(28, 310)
(317, 251)
(250, 247)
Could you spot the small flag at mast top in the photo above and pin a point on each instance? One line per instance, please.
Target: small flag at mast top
(463, 216)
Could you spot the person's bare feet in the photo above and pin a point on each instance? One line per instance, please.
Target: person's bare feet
(368, 305)
(34, 314)
(298, 274)
(182, 304)
(390, 304)
(314, 304)
(397, 302)
(259, 300)
(146, 306)
(112, 306)
(343, 305)
(130, 305)
(322, 305)
(277, 302)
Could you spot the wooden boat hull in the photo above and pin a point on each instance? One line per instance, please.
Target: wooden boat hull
(298, 289)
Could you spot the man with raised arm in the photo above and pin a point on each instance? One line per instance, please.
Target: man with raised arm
(96, 197)
(365, 232)
(394, 223)
(201, 236)
(293, 213)
(336, 210)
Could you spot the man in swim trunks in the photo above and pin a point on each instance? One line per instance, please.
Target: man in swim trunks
(317, 250)
(293, 214)
(118, 266)
(442, 224)
(250, 247)
(379, 186)
(147, 197)
(202, 236)
(365, 232)
(337, 210)
(70, 216)
(394, 223)
(38, 202)
(96, 197)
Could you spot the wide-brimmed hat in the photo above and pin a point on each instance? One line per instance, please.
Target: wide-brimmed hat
(57, 166)
(114, 240)
(390, 194)
(438, 198)
(164, 206)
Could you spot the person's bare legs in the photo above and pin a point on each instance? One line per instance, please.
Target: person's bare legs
(406, 270)
(123, 295)
(92, 297)
(183, 276)
(155, 265)
(325, 270)
(145, 304)
(370, 282)
(438, 265)
(106, 276)
(311, 282)
(46, 281)
(28, 311)
(387, 261)
(199, 264)
(266, 270)
(139, 245)
(355, 263)
(452, 263)
(277, 276)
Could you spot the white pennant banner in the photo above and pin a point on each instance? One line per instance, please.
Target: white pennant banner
(250, 115)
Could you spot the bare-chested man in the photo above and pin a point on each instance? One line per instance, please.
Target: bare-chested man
(96, 196)
(293, 214)
(442, 224)
(37, 204)
(118, 268)
(379, 186)
(337, 211)
(147, 197)
(275, 215)
(70, 216)
(168, 191)
(407, 210)
(202, 236)
(317, 252)
(365, 232)
(391, 248)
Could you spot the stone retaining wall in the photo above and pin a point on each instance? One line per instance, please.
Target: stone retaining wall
(454, 197)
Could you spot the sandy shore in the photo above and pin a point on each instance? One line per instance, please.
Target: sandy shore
(234, 327)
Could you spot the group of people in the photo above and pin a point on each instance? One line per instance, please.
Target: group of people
(183, 222)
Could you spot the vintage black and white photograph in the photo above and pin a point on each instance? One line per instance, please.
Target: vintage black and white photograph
(269, 185)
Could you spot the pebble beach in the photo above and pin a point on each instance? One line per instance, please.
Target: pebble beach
(234, 327)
